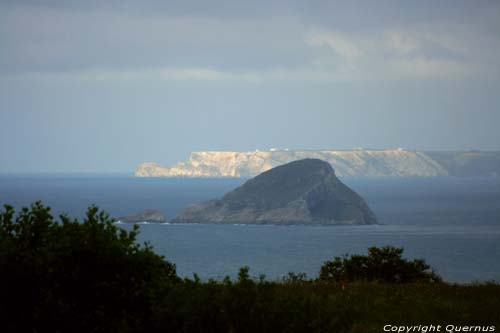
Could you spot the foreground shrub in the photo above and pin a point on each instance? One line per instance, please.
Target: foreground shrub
(67, 276)
(381, 264)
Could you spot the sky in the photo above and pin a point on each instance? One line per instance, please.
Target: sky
(102, 86)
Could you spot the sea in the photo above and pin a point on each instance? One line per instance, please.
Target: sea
(452, 223)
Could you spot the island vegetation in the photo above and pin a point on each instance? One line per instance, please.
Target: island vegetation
(91, 276)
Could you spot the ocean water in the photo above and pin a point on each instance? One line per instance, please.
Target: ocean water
(453, 223)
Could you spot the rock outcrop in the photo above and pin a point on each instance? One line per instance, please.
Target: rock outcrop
(347, 163)
(301, 192)
(147, 215)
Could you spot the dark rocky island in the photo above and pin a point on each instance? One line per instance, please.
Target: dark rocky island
(147, 215)
(301, 192)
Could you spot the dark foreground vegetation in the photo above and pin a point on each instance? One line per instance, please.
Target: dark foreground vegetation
(90, 276)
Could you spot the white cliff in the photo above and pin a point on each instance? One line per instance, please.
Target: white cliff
(347, 163)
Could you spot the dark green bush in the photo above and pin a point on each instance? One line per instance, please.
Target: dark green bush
(381, 264)
(67, 276)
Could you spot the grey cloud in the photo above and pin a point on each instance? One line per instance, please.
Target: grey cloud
(241, 37)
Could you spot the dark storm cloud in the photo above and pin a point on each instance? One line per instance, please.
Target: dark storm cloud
(326, 39)
(234, 36)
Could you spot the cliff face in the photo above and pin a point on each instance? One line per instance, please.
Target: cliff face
(301, 192)
(353, 163)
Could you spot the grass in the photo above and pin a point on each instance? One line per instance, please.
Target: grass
(314, 306)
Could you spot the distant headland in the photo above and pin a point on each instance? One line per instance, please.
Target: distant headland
(363, 163)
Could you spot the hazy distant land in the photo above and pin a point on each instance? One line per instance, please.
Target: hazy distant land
(347, 163)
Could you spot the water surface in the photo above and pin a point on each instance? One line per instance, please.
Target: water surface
(453, 223)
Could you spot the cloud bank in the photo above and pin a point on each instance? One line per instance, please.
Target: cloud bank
(102, 43)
